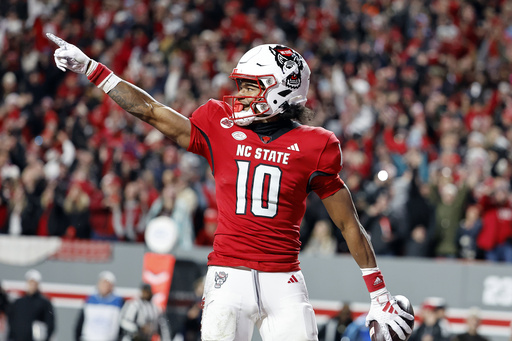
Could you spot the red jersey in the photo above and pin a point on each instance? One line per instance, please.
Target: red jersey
(261, 185)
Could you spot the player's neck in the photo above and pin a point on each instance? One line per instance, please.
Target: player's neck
(268, 128)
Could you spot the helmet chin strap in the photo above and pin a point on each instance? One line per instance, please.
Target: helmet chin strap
(297, 100)
(261, 107)
(244, 118)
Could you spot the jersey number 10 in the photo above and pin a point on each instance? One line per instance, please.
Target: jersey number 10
(266, 182)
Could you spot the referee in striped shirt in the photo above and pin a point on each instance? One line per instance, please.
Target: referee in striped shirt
(141, 319)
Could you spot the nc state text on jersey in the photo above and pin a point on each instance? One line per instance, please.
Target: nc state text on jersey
(263, 154)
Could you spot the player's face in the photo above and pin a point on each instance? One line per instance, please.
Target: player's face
(248, 88)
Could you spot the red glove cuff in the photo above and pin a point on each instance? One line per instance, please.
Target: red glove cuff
(374, 281)
(99, 74)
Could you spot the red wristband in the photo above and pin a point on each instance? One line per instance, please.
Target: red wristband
(99, 74)
(374, 281)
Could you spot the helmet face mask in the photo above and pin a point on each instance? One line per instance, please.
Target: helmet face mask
(258, 107)
(282, 76)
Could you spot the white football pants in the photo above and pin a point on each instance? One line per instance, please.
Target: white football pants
(235, 300)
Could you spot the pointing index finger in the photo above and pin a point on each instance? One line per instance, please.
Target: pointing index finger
(56, 40)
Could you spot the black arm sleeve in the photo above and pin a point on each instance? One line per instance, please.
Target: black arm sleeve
(49, 319)
(79, 324)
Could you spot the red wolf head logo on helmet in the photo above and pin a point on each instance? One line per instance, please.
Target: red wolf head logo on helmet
(288, 59)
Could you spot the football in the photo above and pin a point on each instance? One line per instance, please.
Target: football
(375, 332)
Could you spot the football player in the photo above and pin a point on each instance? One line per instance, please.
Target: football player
(265, 162)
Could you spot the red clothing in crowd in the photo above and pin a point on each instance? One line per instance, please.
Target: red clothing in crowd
(496, 223)
(101, 218)
(4, 213)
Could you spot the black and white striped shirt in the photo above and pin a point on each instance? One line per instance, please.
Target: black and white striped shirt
(141, 319)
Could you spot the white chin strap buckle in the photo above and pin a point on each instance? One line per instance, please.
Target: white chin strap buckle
(244, 118)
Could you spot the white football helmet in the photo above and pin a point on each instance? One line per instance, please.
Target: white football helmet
(282, 75)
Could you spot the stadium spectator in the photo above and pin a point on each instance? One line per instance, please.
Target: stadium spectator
(31, 317)
(336, 326)
(102, 205)
(434, 325)
(357, 330)
(449, 203)
(420, 212)
(382, 225)
(178, 202)
(76, 207)
(25, 207)
(495, 237)
(322, 241)
(468, 232)
(148, 192)
(207, 232)
(192, 325)
(472, 324)
(55, 220)
(127, 214)
(315, 212)
(98, 320)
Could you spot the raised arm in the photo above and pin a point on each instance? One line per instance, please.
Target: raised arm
(129, 97)
(141, 105)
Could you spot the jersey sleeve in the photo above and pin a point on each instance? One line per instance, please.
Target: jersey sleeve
(201, 125)
(325, 181)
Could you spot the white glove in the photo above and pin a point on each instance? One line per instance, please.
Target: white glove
(68, 56)
(386, 312)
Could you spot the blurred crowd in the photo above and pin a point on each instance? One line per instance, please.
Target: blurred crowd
(431, 323)
(417, 91)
